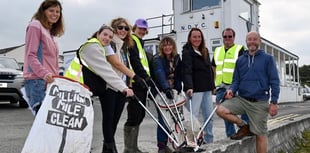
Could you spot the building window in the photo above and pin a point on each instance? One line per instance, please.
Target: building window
(151, 48)
(215, 43)
(186, 5)
(246, 11)
(200, 4)
(190, 5)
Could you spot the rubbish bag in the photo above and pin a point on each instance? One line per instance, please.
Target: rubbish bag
(179, 100)
(64, 122)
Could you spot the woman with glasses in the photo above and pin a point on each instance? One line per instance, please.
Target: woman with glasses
(114, 101)
(100, 77)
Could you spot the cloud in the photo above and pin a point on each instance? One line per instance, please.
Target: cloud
(285, 23)
(78, 2)
(82, 17)
(15, 18)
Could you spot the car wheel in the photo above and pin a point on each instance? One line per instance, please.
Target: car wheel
(23, 104)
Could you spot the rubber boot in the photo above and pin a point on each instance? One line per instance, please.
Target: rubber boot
(163, 148)
(109, 148)
(131, 139)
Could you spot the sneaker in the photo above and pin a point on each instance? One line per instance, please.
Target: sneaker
(242, 132)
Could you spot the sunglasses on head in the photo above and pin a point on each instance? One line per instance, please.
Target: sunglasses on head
(229, 36)
(123, 27)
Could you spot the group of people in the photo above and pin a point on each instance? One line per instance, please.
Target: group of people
(117, 69)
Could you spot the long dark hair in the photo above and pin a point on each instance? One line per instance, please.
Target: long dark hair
(202, 47)
(56, 29)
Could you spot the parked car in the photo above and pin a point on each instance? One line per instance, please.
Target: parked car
(306, 94)
(11, 81)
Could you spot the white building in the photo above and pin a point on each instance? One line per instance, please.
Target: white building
(212, 16)
(18, 52)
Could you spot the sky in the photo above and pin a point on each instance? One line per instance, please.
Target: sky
(283, 22)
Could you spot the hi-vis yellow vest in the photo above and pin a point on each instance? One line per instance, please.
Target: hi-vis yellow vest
(142, 55)
(225, 63)
(74, 70)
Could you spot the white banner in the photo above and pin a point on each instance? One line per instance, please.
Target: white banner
(64, 123)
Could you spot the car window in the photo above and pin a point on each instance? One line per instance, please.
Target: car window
(8, 63)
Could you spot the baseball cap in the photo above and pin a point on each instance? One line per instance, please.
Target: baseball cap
(141, 23)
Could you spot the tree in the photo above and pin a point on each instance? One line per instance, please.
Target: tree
(304, 73)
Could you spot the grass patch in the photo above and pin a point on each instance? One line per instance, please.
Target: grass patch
(303, 144)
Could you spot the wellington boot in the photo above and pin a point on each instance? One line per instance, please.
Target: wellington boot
(131, 139)
(163, 148)
(109, 148)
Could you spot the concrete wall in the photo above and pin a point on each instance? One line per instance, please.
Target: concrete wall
(281, 138)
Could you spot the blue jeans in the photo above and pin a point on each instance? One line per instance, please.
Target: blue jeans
(162, 137)
(35, 91)
(229, 127)
(203, 100)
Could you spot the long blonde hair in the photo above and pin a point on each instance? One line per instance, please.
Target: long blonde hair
(116, 22)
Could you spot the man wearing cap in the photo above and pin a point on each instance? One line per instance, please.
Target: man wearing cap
(139, 62)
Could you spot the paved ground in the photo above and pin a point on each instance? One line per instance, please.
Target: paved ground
(15, 124)
(147, 136)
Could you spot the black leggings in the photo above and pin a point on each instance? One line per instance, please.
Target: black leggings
(112, 104)
(135, 112)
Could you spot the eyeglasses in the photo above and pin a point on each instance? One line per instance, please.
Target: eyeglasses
(123, 27)
(229, 36)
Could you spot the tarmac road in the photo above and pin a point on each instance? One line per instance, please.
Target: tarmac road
(15, 124)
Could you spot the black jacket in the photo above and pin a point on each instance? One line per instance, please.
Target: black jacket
(197, 72)
(135, 61)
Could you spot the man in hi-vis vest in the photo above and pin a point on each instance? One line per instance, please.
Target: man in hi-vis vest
(223, 63)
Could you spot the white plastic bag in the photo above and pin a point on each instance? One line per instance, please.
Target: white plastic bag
(23, 91)
(64, 122)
